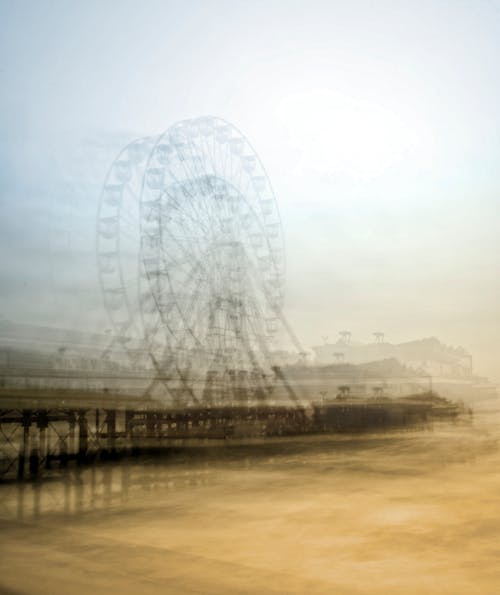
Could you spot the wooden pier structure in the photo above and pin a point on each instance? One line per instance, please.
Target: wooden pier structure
(36, 439)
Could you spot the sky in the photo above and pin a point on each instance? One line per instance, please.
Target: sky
(377, 122)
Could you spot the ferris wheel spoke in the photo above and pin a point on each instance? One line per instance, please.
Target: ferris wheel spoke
(188, 179)
(189, 165)
(195, 218)
(192, 307)
(190, 175)
(189, 250)
(181, 183)
(208, 155)
(223, 159)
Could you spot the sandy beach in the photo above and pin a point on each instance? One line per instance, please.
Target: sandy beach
(408, 512)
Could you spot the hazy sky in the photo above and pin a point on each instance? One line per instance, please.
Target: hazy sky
(378, 124)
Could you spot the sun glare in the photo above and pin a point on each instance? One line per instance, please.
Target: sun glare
(342, 135)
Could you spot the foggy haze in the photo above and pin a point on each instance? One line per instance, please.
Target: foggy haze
(258, 352)
(378, 127)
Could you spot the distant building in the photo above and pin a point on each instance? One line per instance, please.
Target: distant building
(429, 355)
(286, 358)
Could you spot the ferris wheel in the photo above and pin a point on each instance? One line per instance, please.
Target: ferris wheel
(213, 254)
(192, 261)
(125, 293)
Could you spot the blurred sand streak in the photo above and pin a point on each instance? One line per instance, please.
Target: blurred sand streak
(408, 512)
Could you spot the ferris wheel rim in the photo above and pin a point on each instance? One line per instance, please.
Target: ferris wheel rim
(124, 325)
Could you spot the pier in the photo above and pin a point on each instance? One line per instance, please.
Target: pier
(37, 439)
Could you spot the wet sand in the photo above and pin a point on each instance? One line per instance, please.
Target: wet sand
(407, 512)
